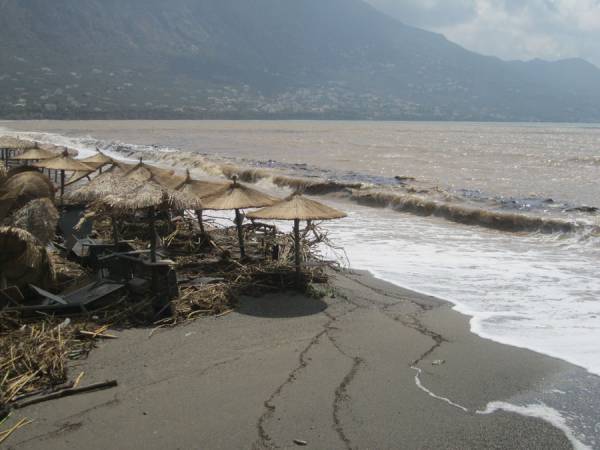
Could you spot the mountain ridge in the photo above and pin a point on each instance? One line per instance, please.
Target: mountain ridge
(265, 59)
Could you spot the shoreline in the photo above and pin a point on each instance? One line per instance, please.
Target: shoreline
(335, 373)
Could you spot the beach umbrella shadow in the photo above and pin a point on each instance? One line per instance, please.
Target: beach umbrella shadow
(287, 305)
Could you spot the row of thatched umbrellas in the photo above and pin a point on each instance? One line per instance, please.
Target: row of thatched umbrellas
(126, 188)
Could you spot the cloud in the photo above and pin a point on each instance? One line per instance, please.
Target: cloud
(509, 29)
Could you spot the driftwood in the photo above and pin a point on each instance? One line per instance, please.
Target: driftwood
(67, 393)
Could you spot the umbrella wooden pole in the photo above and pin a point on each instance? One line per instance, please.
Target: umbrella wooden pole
(152, 235)
(3, 282)
(200, 221)
(240, 231)
(62, 184)
(115, 231)
(297, 247)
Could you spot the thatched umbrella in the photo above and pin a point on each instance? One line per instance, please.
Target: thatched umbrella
(151, 197)
(22, 259)
(35, 154)
(199, 189)
(110, 182)
(98, 160)
(58, 149)
(63, 163)
(117, 167)
(144, 172)
(237, 196)
(297, 208)
(9, 144)
(14, 143)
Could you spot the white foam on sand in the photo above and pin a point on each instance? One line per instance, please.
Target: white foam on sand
(540, 411)
(432, 394)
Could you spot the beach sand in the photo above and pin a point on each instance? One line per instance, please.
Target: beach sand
(335, 373)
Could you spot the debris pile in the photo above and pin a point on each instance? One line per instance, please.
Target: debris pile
(34, 356)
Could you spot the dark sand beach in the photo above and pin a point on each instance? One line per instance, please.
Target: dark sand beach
(335, 373)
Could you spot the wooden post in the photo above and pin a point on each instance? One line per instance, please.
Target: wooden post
(200, 221)
(62, 184)
(115, 230)
(297, 247)
(238, 221)
(152, 235)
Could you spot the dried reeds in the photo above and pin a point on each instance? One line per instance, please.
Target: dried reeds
(34, 356)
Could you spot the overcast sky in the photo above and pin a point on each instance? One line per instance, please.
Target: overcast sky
(509, 29)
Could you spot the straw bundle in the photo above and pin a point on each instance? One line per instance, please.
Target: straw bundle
(21, 188)
(38, 217)
(22, 259)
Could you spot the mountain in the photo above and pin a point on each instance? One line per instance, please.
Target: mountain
(264, 59)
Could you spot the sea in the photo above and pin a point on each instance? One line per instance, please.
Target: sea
(500, 219)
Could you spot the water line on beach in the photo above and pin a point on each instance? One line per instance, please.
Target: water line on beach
(539, 411)
(431, 393)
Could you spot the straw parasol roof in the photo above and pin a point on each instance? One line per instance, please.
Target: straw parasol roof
(151, 195)
(76, 176)
(58, 149)
(145, 172)
(297, 207)
(98, 160)
(63, 162)
(116, 167)
(108, 183)
(237, 196)
(13, 143)
(35, 154)
(200, 188)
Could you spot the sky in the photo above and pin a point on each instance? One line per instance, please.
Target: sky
(509, 29)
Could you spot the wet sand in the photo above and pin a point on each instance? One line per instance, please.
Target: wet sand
(335, 373)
